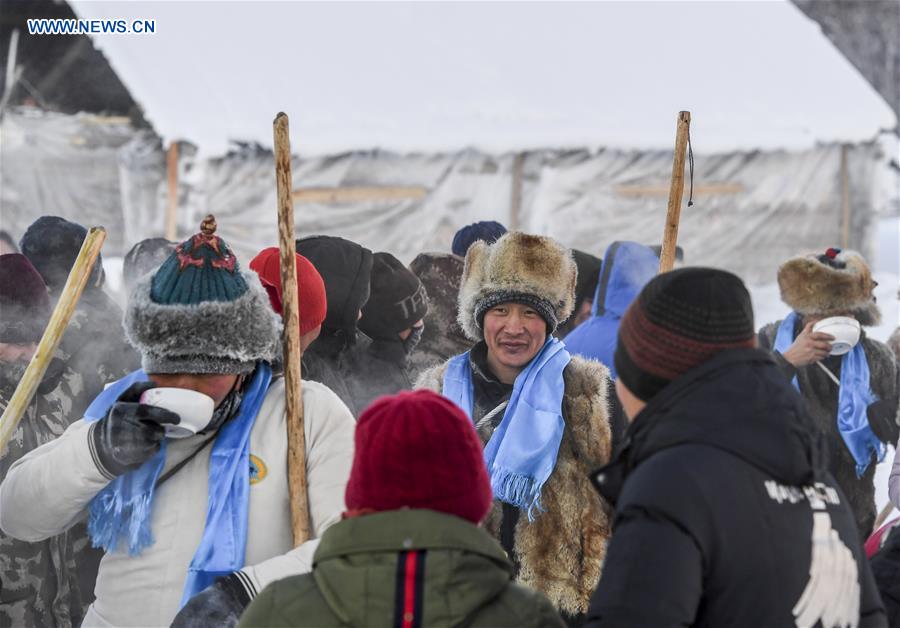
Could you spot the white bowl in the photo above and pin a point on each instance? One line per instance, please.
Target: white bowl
(844, 329)
(194, 408)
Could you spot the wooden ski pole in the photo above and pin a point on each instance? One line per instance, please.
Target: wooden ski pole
(291, 317)
(56, 327)
(676, 190)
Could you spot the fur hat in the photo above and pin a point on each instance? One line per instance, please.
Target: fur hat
(517, 268)
(199, 313)
(836, 282)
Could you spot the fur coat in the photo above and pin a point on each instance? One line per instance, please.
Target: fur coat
(561, 552)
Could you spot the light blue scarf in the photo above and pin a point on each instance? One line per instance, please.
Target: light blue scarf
(521, 453)
(121, 511)
(854, 396)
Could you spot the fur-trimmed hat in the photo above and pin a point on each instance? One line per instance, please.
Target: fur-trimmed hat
(836, 282)
(199, 313)
(518, 268)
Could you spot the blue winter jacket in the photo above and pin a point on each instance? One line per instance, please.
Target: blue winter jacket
(627, 266)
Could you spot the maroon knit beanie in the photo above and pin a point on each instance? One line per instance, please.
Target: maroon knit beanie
(418, 450)
(680, 320)
(24, 302)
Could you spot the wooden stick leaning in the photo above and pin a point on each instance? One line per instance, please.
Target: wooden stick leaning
(56, 327)
(291, 317)
(676, 190)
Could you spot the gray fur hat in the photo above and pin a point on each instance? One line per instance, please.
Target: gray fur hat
(517, 268)
(200, 313)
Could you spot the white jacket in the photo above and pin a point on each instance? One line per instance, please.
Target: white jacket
(49, 489)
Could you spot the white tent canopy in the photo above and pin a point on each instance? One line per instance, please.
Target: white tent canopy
(497, 76)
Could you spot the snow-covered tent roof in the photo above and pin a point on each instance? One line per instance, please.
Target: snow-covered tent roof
(500, 76)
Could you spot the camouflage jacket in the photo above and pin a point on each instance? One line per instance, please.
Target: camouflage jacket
(40, 585)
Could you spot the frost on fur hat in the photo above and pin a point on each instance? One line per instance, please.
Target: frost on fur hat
(830, 284)
(199, 313)
(518, 268)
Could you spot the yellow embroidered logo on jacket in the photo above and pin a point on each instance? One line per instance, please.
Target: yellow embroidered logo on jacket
(258, 470)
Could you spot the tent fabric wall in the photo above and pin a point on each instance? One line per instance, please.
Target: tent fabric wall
(752, 209)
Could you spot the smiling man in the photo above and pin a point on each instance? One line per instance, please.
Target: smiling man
(541, 413)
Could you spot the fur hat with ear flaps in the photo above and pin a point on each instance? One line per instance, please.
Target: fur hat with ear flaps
(517, 268)
(830, 284)
(200, 313)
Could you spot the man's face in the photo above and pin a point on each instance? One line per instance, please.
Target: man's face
(210, 384)
(10, 352)
(514, 333)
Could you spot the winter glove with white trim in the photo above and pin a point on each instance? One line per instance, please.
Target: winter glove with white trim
(220, 604)
(130, 433)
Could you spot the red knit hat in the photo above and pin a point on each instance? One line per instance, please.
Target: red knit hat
(311, 297)
(418, 450)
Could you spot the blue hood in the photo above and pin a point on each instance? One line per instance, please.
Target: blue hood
(627, 267)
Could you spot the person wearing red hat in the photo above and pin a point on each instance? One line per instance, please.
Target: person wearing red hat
(409, 551)
(310, 291)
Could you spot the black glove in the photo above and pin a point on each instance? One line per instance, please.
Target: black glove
(882, 417)
(131, 432)
(220, 604)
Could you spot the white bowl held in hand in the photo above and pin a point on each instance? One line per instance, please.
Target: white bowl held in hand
(194, 408)
(844, 329)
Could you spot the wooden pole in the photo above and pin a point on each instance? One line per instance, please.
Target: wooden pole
(291, 317)
(845, 200)
(56, 327)
(172, 204)
(515, 196)
(676, 190)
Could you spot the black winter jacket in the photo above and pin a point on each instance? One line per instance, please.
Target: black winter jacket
(725, 515)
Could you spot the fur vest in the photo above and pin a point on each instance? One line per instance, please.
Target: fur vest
(561, 552)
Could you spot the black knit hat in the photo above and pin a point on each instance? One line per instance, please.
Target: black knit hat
(680, 320)
(51, 244)
(397, 299)
(24, 303)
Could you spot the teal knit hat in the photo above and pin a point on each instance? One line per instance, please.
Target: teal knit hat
(199, 313)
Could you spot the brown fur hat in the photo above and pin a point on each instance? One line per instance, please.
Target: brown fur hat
(836, 282)
(519, 268)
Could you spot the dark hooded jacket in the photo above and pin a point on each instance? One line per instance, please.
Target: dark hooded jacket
(725, 514)
(821, 396)
(345, 267)
(374, 570)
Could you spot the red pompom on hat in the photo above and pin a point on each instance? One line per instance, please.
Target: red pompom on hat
(418, 450)
(311, 295)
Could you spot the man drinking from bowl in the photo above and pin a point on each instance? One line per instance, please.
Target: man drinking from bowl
(850, 383)
(181, 468)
